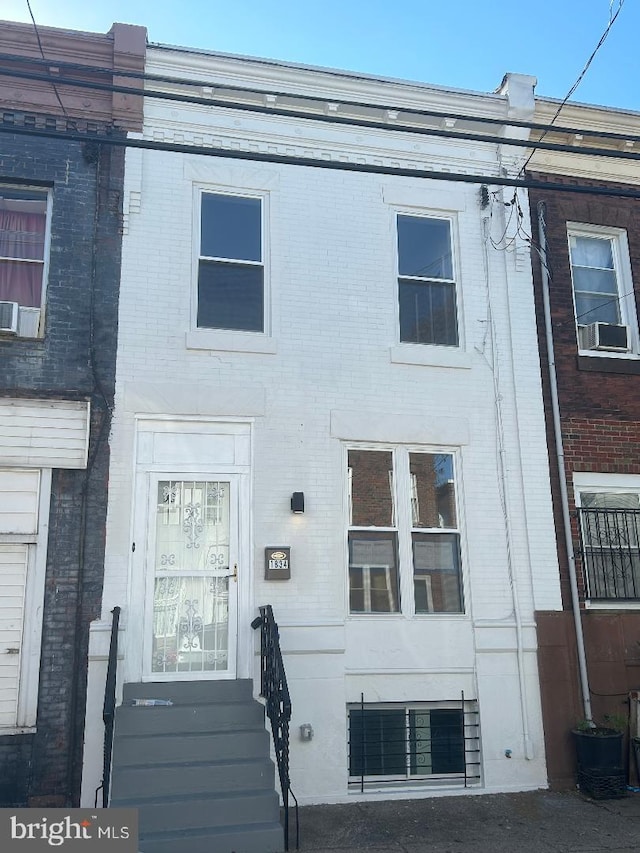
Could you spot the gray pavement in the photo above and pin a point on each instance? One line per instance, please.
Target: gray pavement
(532, 822)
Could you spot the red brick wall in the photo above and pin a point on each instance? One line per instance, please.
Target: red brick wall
(600, 416)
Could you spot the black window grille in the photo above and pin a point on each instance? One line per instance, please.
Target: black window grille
(426, 741)
(611, 553)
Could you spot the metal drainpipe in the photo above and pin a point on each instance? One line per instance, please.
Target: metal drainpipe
(564, 500)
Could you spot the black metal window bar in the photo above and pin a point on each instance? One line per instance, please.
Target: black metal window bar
(275, 690)
(109, 710)
(611, 552)
(421, 742)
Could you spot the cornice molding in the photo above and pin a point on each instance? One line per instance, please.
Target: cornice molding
(327, 85)
(447, 159)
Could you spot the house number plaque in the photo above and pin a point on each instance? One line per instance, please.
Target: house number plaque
(277, 564)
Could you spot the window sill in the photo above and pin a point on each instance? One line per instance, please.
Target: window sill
(10, 731)
(209, 339)
(430, 356)
(611, 362)
(612, 605)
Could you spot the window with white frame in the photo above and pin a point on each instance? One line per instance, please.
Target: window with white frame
(23, 259)
(426, 281)
(602, 289)
(610, 533)
(403, 502)
(231, 274)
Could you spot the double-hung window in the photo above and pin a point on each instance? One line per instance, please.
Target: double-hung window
(231, 280)
(403, 526)
(426, 281)
(602, 289)
(23, 256)
(610, 529)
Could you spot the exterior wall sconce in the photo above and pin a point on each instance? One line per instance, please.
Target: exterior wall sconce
(297, 502)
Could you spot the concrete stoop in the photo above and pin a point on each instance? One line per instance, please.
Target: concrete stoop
(198, 771)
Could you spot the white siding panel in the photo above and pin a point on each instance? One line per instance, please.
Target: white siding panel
(19, 492)
(13, 576)
(44, 433)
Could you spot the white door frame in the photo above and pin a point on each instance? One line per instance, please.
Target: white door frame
(141, 574)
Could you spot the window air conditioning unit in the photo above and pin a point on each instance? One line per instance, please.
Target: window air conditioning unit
(9, 317)
(606, 336)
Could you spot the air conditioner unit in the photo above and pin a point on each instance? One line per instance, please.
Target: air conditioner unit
(606, 336)
(9, 317)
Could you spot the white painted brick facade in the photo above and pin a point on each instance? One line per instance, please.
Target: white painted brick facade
(336, 366)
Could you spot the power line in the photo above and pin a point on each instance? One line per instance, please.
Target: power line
(35, 27)
(603, 37)
(337, 165)
(331, 119)
(278, 93)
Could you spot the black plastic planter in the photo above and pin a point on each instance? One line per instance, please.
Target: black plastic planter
(601, 772)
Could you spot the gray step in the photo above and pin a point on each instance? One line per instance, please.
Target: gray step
(223, 716)
(180, 748)
(259, 838)
(140, 783)
(178, 813)
(190, 692)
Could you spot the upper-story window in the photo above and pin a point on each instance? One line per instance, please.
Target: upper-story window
(602, 290)
(426, 281)
(23, 259)
(231, 263)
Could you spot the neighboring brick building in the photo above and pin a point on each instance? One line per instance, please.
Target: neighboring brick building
(60, 238)
(593, 256)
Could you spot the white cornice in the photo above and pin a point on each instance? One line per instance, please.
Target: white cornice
(324, 84)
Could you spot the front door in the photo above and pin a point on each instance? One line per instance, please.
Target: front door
(191, 578)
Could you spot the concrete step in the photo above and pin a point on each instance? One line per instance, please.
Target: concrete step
(181, 748)
(174, 814)
(259, 838)
(190, 692)
(160, 720)
(141, 783)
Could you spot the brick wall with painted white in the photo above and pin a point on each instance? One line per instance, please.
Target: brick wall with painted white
(330, 373)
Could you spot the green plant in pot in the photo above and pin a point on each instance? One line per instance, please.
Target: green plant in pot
(599, 752)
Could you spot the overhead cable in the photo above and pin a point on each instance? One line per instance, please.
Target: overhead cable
(337, 165)
(278, 93)
(330, 119)
(603, 37)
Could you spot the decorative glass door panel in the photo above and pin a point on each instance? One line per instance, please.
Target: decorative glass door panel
(194, 584)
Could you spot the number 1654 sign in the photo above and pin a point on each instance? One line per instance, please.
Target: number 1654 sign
(277, 563)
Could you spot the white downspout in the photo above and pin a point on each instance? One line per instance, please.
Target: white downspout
(555, 408)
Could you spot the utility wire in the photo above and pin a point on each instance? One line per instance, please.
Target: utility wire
(331, 119)
(275, 93)
(35, 28)
(603, 37)
(317, 163)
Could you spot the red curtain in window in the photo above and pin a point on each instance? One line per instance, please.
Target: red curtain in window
(21, 257)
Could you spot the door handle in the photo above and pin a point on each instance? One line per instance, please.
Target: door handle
(235, 573)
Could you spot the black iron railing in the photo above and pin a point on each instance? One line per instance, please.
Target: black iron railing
(109, 709)
(429, 743)
(275, 691)
(611, 552)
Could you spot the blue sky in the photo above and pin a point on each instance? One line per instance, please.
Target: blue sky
(468, 44)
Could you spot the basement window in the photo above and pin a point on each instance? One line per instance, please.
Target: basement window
(425, 742)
